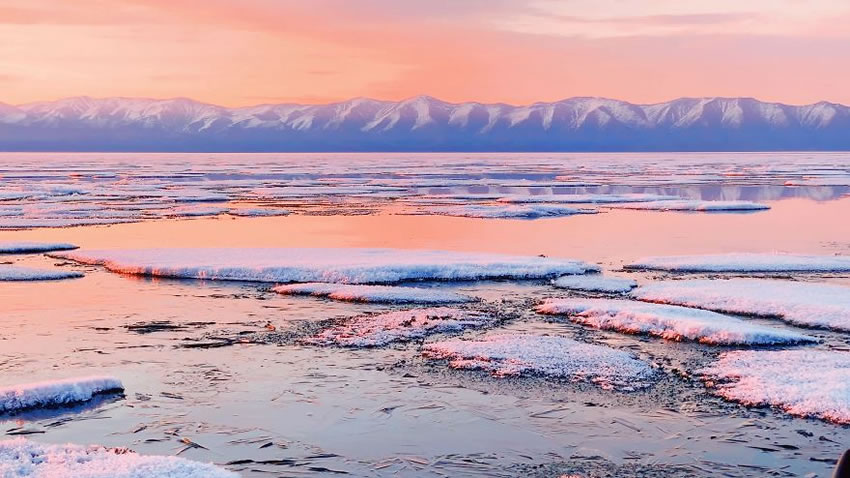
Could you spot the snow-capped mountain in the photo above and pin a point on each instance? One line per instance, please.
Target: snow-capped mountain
(423, 124)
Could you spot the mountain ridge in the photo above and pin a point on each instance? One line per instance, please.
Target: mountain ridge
(423, 123)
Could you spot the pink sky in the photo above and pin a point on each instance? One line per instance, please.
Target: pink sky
(239, 52)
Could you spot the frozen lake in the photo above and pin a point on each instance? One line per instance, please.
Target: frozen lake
(237, 367)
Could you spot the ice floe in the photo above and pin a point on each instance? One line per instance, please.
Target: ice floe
(805, 383)
(595, 283)
(519, 354)
(21, 458)
(586, 198)
(807, 304)
(744, 262)
(19, 273)
(55, 393)
(399, 326)
(338, 265)
(34, 247)
(533, 211)
(669, 322)
(26, 223)
(374, 293)
(258, 212)
(694, 205)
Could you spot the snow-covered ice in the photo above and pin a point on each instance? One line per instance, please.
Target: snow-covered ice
(694, 205)
(55, 393)
(595, 283)
(520, 354)
(744, 262)
(804, 382)
(668, 321)
(258, 212)
(532, 211)
(338, 265)
(807, 304)
(374, 293)
(19, 273)
(20, 458)
(585, 198)
(35, 223)
(34, 247)
(399, 326)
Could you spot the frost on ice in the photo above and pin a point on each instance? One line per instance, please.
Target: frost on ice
(668, 321)
(807, 304)
(745, 262)
(17, 273)
(55, 393)
(374, 293)
(595, 283)
(519, 354)
(507, 211)
(342, 265)
(399, 326)
(21, 458)
(694, 205)
(33, 247)
(805, 383)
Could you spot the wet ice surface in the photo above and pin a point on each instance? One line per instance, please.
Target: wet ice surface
(224, 364)
(374, 293)
(595, 283)
(695, 206)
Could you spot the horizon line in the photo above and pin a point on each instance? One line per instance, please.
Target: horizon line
(411, 98)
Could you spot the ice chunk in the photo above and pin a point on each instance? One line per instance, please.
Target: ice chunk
(694, 205)
(26, 223)
(805, 383)
(21, 458)
(807, 304)
(55, 393)
(586, 198)
(16, 273)
(34, 247)
(595, 283)
(519, 354)
(405, 325)
(507, 211)
(195, 211)
(343, 265)
(374, 293)
(745, 262)
(669, 322)
(258, 212)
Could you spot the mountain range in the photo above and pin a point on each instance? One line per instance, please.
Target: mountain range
(423, 123)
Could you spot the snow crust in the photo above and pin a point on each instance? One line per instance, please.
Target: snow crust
(586, 198)
(669, 322)
(694, 205)
(745, 262)
(332, 265)
(19, 273)
(519, 354)
(595, 283)
(21, 458)
(399, 326)
(807, 304)
(55, 393)
(374, 293)
(804, 382)
(34, 247)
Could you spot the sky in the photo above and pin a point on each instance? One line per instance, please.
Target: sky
(243, 52)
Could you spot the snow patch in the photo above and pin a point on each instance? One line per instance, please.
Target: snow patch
(745, 262)
(21, 458)
(507, 211)
(805, 383)
(374, 293)
(342, 265)
(399, 326)
(585, 198)
(595, 283)
(806, 304)
(34, 247)
(55, 393)
(668, 321)
(694, 205)
(17, 273)
(518, 354)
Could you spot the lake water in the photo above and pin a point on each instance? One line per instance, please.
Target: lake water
(271, 406)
